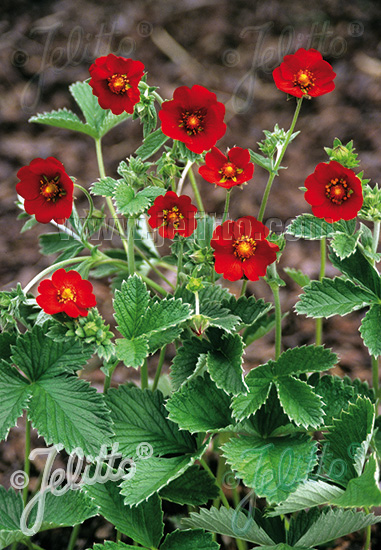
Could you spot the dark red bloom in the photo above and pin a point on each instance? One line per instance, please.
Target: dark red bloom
(66, 292)
(173, 214)
(114, 81)
(304, 73)
(334, 192)
(195, 117)
(226, 171)
(241, 248)
(47, 190)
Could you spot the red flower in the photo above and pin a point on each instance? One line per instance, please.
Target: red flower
(334, 192)
(228, 171)
(193, 116)
(47, 190)
(114, 81)
(66, 292)
(304, 73)
(241, 248)
(173, 214)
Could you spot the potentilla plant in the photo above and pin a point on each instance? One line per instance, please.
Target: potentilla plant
(297, 448)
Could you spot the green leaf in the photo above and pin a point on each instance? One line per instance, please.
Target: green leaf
(187, 359)
(260, 328)
(261, 161)
(65, 510)
(304, 359)
(110, 121)
(357, 268)
(7, 340)
(299, 402)
(132, 352)
(249, 310)
(143, 523)
(199, 406)
(140, 416)
(347, 441)
(297, 276)
(362, 491)
(130, 304)
(273, 467)
(370, 330)
(64, 119)
(307, 495)
(194, 487)
(152, 474)
(50, 243)
(259, 382)
(104, 187)
(41, 358)
(68, 411)
(14, 397)
(109, 545)
(189, 540)
(308, 227)
(344, 245)
(332, 297)
(336, 396)
(231, 523)
(151, 144)
(224, 361)
(336, 523)
(11, 507)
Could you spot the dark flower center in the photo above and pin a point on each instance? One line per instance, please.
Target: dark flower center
(172, 217)
(192, 122)
(118, 83)
(67, 294)
(229, 171)
(338, 190)
(305, 80)
(244, 248)
(51, 189)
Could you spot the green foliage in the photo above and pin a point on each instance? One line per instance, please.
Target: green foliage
(344, 154)
(224, 361)
(144, 321)
(307, 495)
(194, 487)
(63, 118)
(189, 540)
(297, 276)
(344, 245)
(371, 207)
(273, 467)
(307, 226)
(336, 396)
(130, 203)
(104, 187)
(51, 243)
(329, 297)
(14, 396)
(151, 144)
(370, 330)
(362, 491)
(357, 268)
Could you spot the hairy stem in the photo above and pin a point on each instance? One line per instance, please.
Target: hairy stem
(227, 202)
(28, 429)
(274, 171)
(180, 262)
(73, 537)
(108, 377)
(51, 268)
(319, 321)
(144, 375)
(159, 368)
(196, 192)
(130, 245)
(186, 169)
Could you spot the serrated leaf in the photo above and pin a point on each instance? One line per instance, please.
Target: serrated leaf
(259, 382)
(370, 330)
(64, 510)
(189, 540)
(151, 144)
(14, 396)
(88, 103)
(109, 545)
(194, 487)
(132, 352)
(41, 358)
(216, 316)
(199, 406)
(11, 507)
(297, 276)
(231, 523)
(186, 360)
(110, 121)
(131, 204)
(143, 523)
(336, 523)
(307, 495)
(307, 226)
(299, 402)
(51, 243)
(362, 491)
(336, 396)
(304, 359)
(104, 187)
(260, 328)
(273, 467)
(152, 474)
(261, 161)
(357, 268)
(346, 443)
(224, 361)
(64, 118)
(140, 416)
(332, 297)
(344, 245)
(130, 304)
(249, 310)
(29, 224)
(70, 412)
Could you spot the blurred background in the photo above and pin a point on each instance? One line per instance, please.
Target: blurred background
(230, 47)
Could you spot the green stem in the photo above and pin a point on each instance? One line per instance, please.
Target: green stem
(319, 321)
(375, 372)
(278, 322)
(187, 167)
(29, 544)
(243, 289)
(222, 494)
(130, 245)
(180, 262)
(236, 501)
(376, 236)
(159, 368)
(91, 207)
(227, 202)
(153, 285)
(196, 192)
(144, 375)
(102, 173)
(154, 268)
(368, 533)
(28, 429)
(52, 268)
(108, 377)
(274, 170)
(73, 537)
(118, 537)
